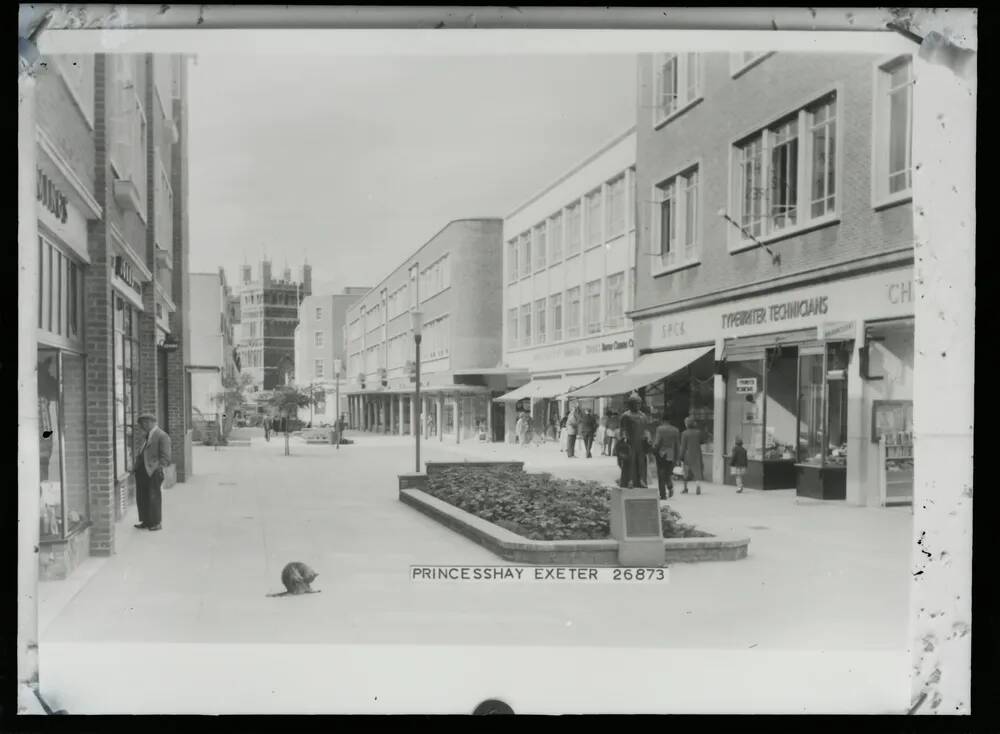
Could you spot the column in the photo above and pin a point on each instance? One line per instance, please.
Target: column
(489, 417)
(719, 416)
(440, 414)
(859, 490)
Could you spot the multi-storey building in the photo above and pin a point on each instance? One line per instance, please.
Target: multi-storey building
(452, 280)
(211, 355)
(568, 273)
(269, 312)
(320, 348)
(111, 178)
(774, 294)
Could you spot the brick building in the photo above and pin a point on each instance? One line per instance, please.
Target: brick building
(453, 279)
(569, 275)
(269, 312)
(775, 262)
(319, 346)
(112, 244)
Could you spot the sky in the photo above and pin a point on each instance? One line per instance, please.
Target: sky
(355, 162)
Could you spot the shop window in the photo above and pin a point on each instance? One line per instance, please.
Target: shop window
(745, 406)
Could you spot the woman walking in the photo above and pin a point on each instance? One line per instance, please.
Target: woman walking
(691, 440)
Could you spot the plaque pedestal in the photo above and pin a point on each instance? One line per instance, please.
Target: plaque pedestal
(636, 525)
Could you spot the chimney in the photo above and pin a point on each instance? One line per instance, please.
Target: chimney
(307, 279)
(265, 273)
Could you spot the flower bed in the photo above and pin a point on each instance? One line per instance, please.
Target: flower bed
(538, 506)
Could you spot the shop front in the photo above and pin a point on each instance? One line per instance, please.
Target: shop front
(62, 211)
(555, 372)
(798, 377)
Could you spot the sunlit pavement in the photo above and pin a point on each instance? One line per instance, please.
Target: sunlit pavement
(818, 576)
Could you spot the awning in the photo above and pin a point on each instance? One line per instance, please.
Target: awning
(646, 370)
(546, 388)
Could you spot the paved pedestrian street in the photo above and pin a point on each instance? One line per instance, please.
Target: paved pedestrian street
(818, 576)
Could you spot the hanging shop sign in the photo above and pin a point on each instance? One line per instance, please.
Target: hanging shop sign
(831, 305)
(746, 385)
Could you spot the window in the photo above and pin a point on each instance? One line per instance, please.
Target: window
(676, 84)
(540, 247)
(128, 149)
(592, 304)
(525, 260)
(512, 269)
(573, 230)
(78, 73)
(319, 339)
(616, 207)
(318, 369)
(555, 239)
(595, 228)
(512, 328)
(675, 223)
(525, 325)
(787, 163)
(614, 311)
(573, 312)
(740, 62)
(540, 321)
(555, 307)
(894, 130)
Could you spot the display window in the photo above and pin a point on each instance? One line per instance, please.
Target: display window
(62, 444)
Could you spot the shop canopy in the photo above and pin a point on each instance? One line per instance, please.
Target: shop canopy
(542, 388)
(646, 370)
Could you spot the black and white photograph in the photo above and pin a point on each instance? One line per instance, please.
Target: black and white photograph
(611, 364)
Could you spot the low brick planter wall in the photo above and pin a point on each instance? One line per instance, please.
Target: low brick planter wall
(513, 547)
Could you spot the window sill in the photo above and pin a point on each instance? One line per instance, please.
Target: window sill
(677, 113)
(902, 197)
(800, 229)
(657, 271)
(750, 64)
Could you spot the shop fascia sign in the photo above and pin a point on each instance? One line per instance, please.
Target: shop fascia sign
(584, 348)
(830, 307)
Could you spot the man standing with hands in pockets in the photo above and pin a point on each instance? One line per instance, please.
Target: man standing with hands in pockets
(153, 458)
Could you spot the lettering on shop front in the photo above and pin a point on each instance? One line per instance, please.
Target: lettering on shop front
(52, 198)
(776, 312)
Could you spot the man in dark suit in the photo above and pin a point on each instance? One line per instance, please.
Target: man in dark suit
(666, 450)
(153, 458)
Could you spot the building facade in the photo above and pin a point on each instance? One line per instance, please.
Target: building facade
(569, 274)
(111, 182)
(453, 281)
(774, 297)
(269, 312)
(320, 348)
(212, 353)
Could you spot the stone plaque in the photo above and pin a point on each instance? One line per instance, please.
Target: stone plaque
(641, 518)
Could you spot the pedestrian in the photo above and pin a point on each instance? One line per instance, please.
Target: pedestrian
(588, 428)
(666, 449)
(632, 445)
(152, 459)
(267, 428)
(691, 440)
(521, 427)
(738, 464)
(572, 428)
(610, 436)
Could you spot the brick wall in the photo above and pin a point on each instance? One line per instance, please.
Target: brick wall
(98, 331)
(704, 135)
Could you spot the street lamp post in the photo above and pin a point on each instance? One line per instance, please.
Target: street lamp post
(417, 318)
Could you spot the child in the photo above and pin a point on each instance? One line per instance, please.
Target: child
(738, 464)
